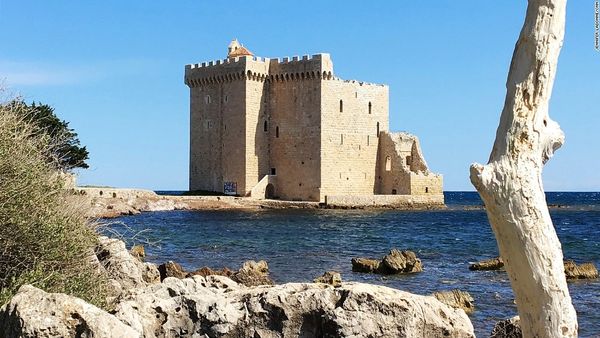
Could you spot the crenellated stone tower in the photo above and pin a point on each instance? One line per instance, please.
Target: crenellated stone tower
(290, 129)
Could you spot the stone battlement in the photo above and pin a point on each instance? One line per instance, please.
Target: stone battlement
(307, 67)
(284, 60)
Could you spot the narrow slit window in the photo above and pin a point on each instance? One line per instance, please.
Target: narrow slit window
(341, 138)
(341, 106)
(265, 126)
(370, 106)
(277, 131)
(388, 163)
(377, 129)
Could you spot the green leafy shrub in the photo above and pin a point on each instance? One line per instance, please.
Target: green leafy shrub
(45, 238)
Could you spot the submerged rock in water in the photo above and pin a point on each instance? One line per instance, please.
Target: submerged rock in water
(35, 313)
(582, 271)
(216, 306)
(508, 328)
(365, 265)
(394, 262)
(457, 299)
(400, 262)
(488, 264)
(331, 278)
(572, 270)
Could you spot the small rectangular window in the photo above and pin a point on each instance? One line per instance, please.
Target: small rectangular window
(273, 171)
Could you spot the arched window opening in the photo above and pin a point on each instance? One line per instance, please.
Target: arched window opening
(265, 126)
(377, 129)
(370, 105)
(408, 160)
(277, 131)
(341, 106)
(207, 99)
(388, 163)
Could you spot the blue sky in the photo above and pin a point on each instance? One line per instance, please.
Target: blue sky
(114, 69)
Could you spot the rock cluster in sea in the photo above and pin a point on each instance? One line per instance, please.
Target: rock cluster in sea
(217, 306)
(394, 262)
(572, 269)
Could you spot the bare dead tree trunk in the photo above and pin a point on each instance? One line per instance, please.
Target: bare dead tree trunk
(511, 183)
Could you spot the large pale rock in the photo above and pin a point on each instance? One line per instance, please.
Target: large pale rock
(35, 313)
(216, 306)
(124, 270)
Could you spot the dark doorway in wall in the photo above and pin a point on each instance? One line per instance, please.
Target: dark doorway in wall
(394, 192)
(270, 191)
(273, 171)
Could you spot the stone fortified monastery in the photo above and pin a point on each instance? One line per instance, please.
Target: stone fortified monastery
(290, 129)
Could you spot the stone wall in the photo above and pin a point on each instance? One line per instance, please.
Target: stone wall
(295, 137)
(401, 167)
(217, 126)
(385, 201)
(352, 115)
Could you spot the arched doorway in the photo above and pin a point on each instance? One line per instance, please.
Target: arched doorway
(270, 191)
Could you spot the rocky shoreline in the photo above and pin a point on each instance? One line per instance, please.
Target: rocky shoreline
(113, 202)
(217, 306)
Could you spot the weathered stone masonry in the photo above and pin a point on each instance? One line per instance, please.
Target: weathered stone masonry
(290, 129)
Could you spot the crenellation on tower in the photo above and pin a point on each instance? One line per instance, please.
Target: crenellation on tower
(289, 128)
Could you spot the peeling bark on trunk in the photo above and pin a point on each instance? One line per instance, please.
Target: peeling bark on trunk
(511, 183)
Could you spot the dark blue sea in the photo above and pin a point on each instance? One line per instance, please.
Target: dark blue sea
(300, 245)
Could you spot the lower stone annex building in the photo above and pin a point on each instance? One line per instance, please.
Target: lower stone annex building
(290, 129)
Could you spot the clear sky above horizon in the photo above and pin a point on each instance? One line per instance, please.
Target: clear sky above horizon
(114, 70)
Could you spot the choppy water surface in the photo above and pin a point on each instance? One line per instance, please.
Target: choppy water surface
(301, 244)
